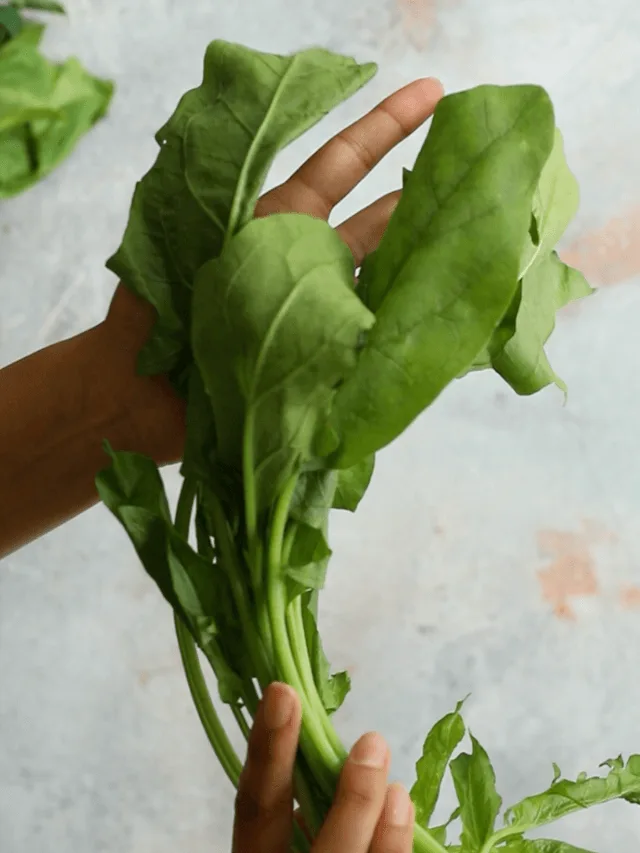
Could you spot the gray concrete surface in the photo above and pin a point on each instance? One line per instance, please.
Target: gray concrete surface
(498, 550)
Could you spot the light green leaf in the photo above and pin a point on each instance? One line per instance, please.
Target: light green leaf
(440, 832)
(215, 152)
(332, 689)
(555, 203)
(475, 785)
(564, 797)
(276, 328)
(446, 270)
(541, 845)
(353, 483)
(45, 109)
(438, 748)
(549, 286)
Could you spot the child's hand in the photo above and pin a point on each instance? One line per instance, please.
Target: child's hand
(368, 815)
(315, 189)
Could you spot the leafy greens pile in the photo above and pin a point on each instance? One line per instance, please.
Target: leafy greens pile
(294, 379)
(45, 107)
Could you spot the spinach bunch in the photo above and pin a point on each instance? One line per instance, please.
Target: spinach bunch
(294, 380)
(45, 107)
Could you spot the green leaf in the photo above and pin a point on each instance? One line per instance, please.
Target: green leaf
(438, 748)
(564, 797)
(45, 109)
(332, 689)
(447, 268)
(215, 152)
(475, 785)
(309, 546)
(555, 203)
(133, 491)
(541, 845)
(39, 5)
(276, 328)
(547, 287)
(353, 483)
(10, 23)
(440, 832)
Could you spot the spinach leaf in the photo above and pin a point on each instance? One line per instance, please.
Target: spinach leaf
(45, 108)
(447, 268)
(353, 483)
(215, 152)
(564, 797)
(131, 488)
(332, 689)
(438, 748)
(541, 845)
(548, 286)
(10, 23)
(475, 785)
(286, 326)
(39, 5)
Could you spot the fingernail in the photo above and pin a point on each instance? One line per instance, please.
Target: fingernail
(278, 706)
(398, 806)
(370, 751)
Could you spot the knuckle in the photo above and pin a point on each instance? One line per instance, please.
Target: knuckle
(360, 148)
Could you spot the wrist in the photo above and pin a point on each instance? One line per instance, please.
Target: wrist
(150, 415)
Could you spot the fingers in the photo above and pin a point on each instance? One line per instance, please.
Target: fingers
(363, 231)
(264, 804)
(330, 174)
(351, 823)
(394, 832)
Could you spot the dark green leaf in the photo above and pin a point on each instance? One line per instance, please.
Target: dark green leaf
(309, 546)
(353, 483)
(133, 491)
(475, 785)
(10, 23)
(39, 5)
(276, 327)
(447, 268)
(215, 152)
(565, 797)
(438, 748)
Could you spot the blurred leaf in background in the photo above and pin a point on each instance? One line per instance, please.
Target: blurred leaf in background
(45, 107)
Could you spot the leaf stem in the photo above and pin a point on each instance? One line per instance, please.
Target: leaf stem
(204, 706)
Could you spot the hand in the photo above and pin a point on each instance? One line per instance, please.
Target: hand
(368, 815)
(315, 189)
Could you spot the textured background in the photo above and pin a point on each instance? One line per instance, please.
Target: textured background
(496, 552)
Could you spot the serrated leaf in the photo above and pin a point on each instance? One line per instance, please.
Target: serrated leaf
(564, 797)
(541, 845)
(475, 784)
(332, 689)
(431, 767)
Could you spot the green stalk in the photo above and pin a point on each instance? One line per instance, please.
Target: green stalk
(324, 762)
(204, 706)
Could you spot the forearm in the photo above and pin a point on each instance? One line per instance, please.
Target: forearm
(56, 408)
